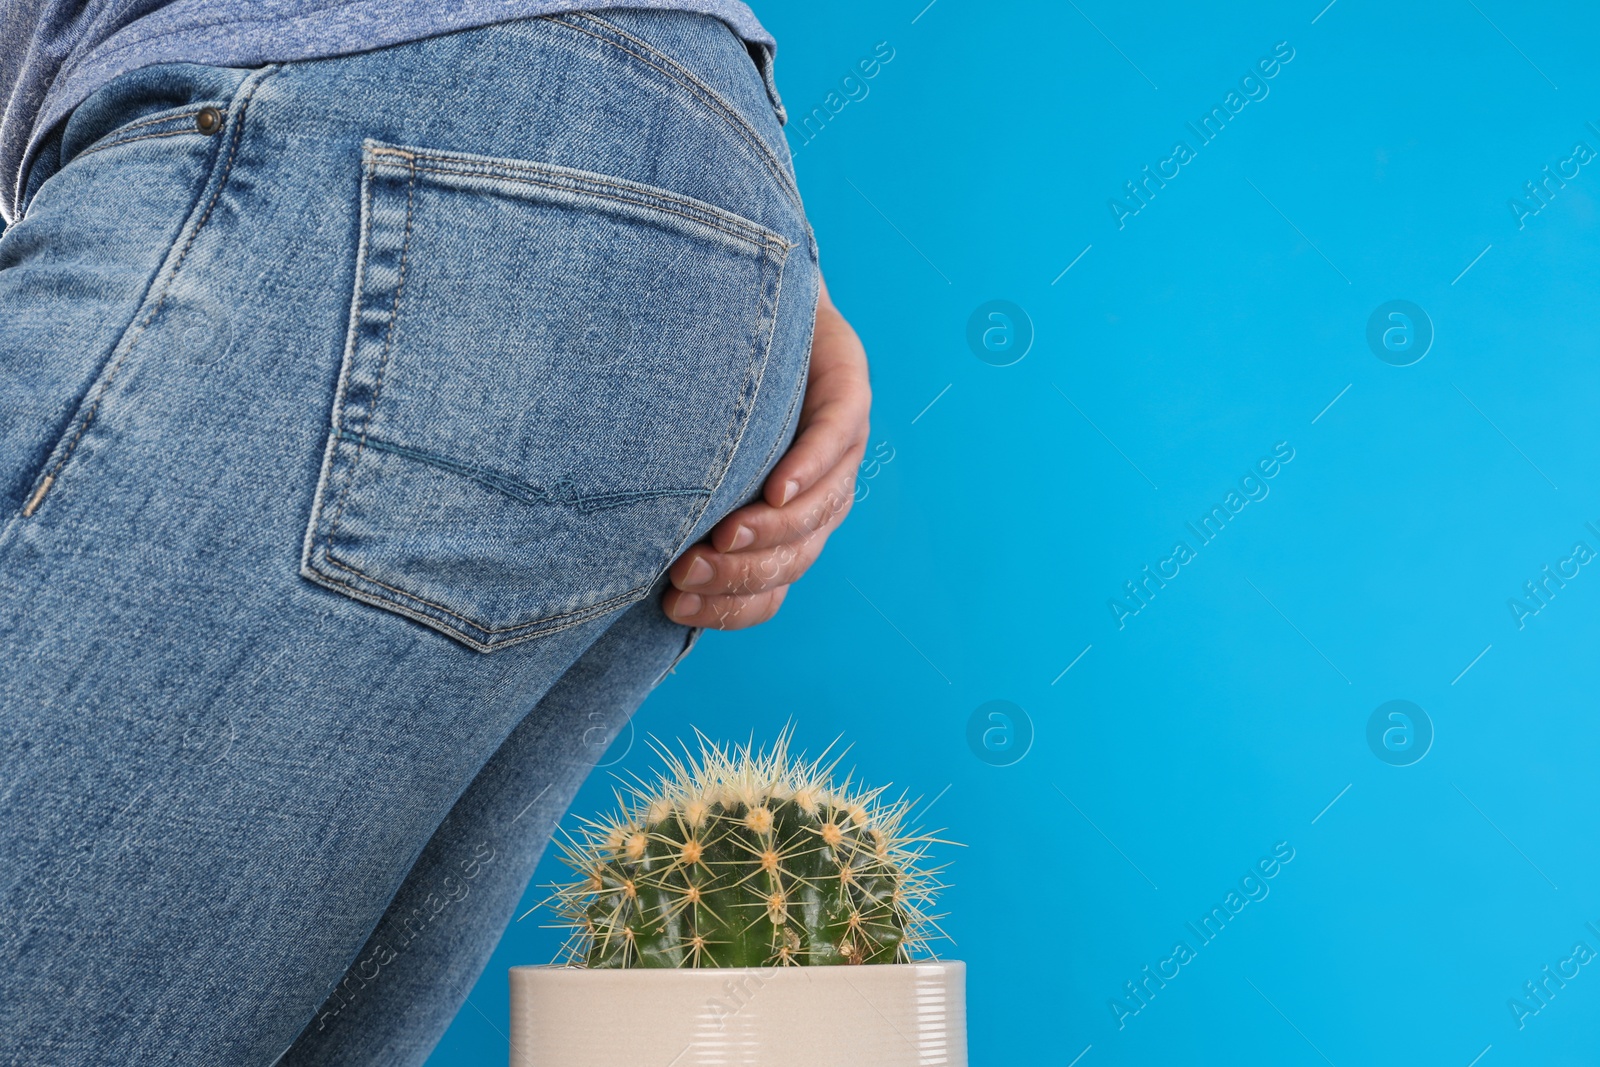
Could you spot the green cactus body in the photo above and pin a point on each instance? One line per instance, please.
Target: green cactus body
(744, 859)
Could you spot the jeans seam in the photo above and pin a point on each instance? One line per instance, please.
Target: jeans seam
(734, 438)
(406, 611)
(118, 135)
(794, 400)
(508, 486)
(130, 140)
(383, 362)
(763, 237)
(711, 92)
(601, 607)
(685, 77)
(105, 385)
(690, 639)
(187, 113)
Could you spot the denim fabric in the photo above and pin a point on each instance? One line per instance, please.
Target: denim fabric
(342, 451)
(54, 54)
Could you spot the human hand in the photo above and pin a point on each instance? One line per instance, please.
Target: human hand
(739, 575)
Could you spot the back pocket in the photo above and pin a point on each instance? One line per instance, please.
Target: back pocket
(546, 374)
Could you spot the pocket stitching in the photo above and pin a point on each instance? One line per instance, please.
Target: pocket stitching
(131, 140)
(576, 616)
(530, 494)
(794, 401)
(383, 363)
(118, 137)
(759, 360)
(772, 251)
(183, 113)
(730, 440)
(770, 248)
(608, 196)
(645, 197)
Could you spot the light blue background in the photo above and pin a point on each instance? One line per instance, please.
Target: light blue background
(1231, 710)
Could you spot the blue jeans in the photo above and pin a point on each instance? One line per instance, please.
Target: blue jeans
(351, 411)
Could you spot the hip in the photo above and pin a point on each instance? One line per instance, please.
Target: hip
(496, 322)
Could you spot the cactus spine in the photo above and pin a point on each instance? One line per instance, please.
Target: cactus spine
(739, 858)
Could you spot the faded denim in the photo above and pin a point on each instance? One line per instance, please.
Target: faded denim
(342, 454)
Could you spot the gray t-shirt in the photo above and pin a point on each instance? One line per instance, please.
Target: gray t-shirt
(55, 53)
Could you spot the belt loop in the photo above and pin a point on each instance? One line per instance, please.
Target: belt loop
(764, 56)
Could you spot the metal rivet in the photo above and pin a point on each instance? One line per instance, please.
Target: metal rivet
(209, 120)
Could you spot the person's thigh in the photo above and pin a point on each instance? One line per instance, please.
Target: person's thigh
(398, 997)
(394, 394)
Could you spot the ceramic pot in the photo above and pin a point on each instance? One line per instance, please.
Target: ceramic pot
(882, 1015)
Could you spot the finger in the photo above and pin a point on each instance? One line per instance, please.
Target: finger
(818, 510)
(791, 539)
(704, 570)
(718, 612)
(835, 415)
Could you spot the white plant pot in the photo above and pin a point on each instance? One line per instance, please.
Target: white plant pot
(883, 1015)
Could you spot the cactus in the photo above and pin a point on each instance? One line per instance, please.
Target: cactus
(740, 858)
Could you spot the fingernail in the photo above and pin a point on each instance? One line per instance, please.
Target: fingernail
(688, 605)
(742, 537)
(699, 572)
(789, 491)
